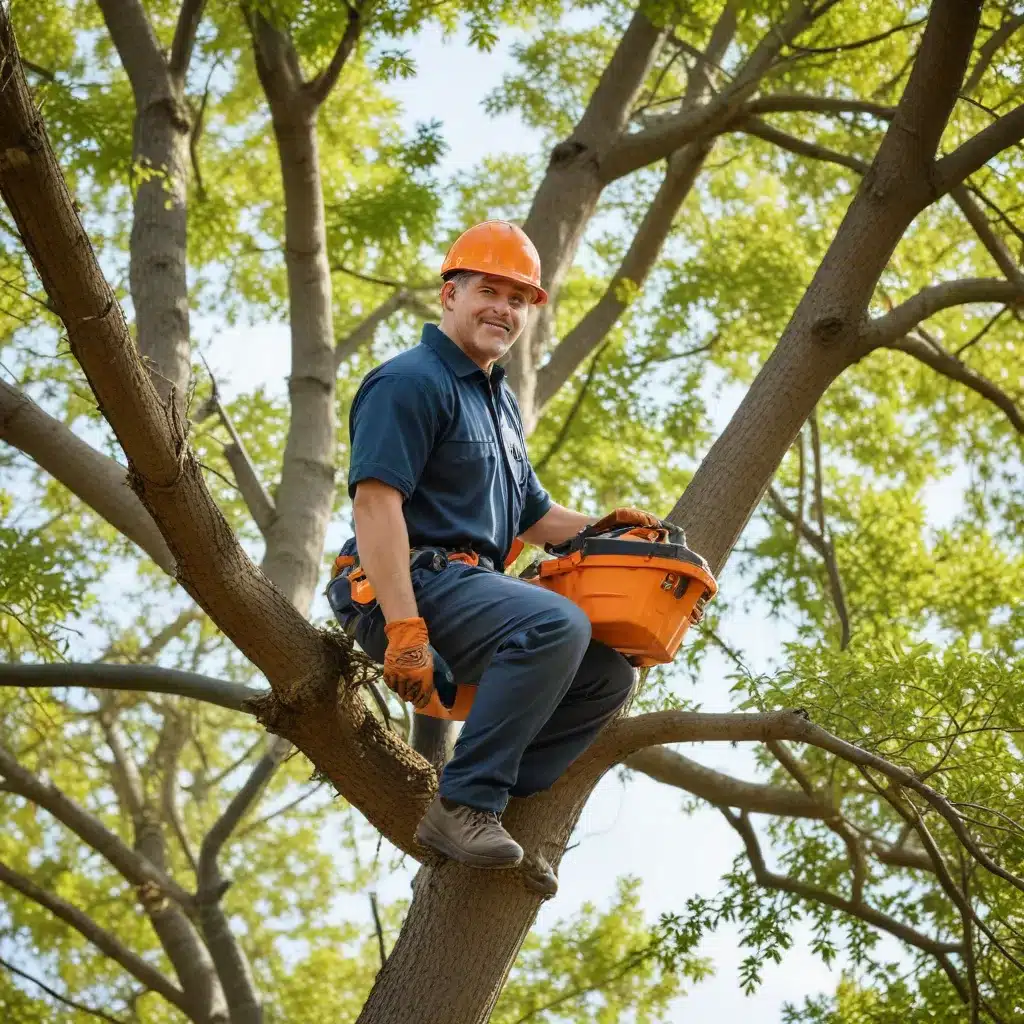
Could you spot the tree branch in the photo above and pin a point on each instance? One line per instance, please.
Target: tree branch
(54, 994)
(782, 883)
(933, 355)
(996, 248)
(563, 430)
(959, 165)
(136, 678)
(133, 866)
(320, 87)
(259, 503)
(807, 103)
(812, 150)
(99, 937)
(988, 50)
(232, 964)
(673, 769)
(185, 37)
(137, 46)
(365, 330)
(94, 478)
(885, 330)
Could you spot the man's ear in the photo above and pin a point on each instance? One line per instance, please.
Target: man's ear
(448, 295)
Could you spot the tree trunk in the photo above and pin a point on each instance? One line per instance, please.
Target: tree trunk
(157, 270)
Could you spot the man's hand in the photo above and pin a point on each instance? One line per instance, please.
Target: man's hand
(408, 661)
(627, 517)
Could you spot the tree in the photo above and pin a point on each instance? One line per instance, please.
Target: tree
(870, 250)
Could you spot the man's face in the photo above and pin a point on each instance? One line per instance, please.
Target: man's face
(487, 314)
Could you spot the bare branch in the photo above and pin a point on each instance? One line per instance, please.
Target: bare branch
(259, 503)
(988, 50)
(54, 994)
(365, 330)
(992, 242)
(933, 355)
(133, 866)
(386, 282)
(379, 928)
(184, 37)
(563, 431)
(673, 769)
(812, 150)
(320, 87)
(137, 678)
(887, 329)
(859, 44)
(959, 165)
(99, 937)
(213, 842)
(806, 103)
(989, 324)
(96, 479)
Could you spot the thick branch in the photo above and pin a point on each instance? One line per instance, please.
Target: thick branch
(988, 50)
(136, 678)
(185, 37)
(977, 151)
(673, 769)
(670, 133)
(887, 329)
(806, 103)
(320, 87)
(100, 938)
(134, 867)
(232, 964)
(933, 355)
(137, 46)
(96, 479)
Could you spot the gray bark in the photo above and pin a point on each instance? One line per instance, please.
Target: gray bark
(160, 159)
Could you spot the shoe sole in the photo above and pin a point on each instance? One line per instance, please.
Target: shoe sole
(436, 840)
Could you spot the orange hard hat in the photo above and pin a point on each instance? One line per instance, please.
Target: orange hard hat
(499, 248)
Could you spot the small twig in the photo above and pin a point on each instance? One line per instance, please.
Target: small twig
(81, 1007)
(981, 334)
(379, 929)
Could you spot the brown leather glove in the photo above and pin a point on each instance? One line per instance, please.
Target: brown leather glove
(626, 517)
(408, 661)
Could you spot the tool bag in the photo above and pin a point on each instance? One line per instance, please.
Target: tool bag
(640, 588)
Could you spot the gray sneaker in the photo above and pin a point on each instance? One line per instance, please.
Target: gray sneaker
(468, 835)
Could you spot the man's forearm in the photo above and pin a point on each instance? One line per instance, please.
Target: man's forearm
(558, 524)
(383, 542)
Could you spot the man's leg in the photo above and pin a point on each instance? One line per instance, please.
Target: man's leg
(601, 686)
(522, 646)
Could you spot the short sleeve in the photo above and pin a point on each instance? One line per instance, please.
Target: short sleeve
(535, 504)
(394, 423)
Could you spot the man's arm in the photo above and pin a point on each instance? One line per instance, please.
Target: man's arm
(382, 539)
(558, 524)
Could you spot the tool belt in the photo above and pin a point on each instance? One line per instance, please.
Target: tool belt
(361, 590)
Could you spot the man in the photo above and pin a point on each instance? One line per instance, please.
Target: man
(439, 465)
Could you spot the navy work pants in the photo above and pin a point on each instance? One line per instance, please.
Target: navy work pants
(545, 688)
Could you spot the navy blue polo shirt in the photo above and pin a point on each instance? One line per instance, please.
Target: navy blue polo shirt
(433, 425)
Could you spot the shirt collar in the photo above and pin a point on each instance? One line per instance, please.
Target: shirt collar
(434, 338)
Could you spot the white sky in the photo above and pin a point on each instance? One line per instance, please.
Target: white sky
(638, 830)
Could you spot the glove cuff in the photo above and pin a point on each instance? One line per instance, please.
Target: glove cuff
(407, 632)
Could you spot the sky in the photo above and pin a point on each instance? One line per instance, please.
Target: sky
(638, 829)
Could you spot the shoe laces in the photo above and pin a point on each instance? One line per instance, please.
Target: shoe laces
(483, 818)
